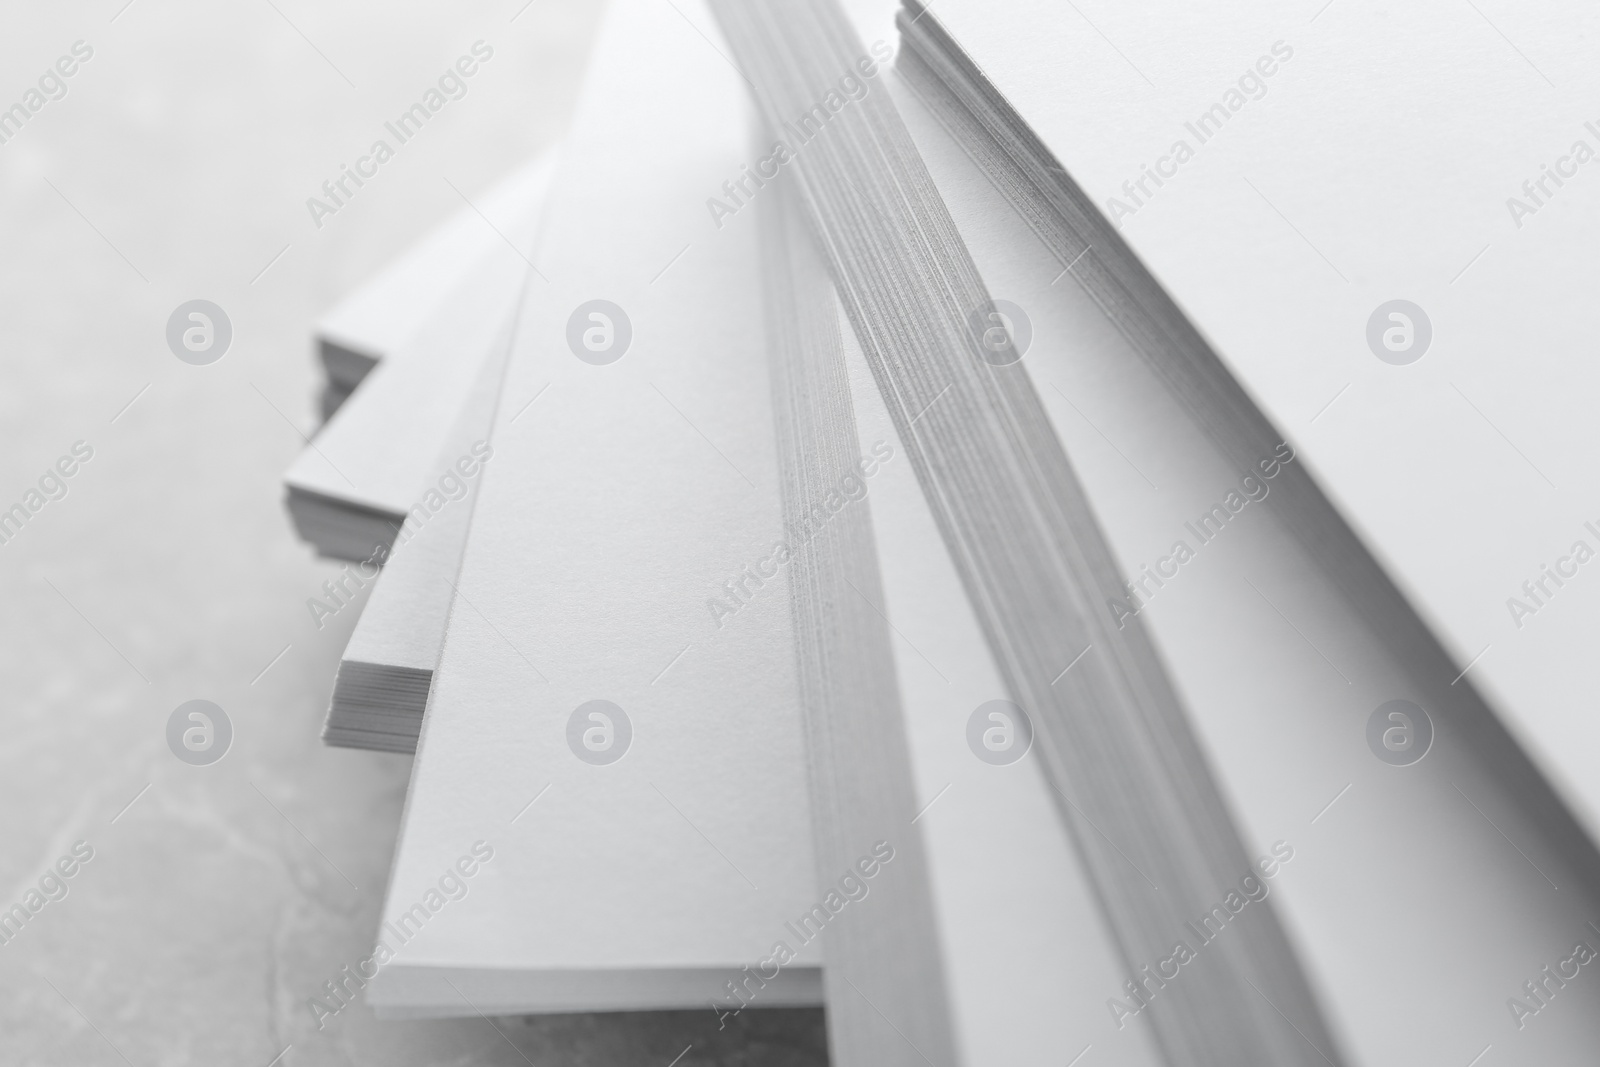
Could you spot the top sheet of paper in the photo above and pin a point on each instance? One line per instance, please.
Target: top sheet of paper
(1314, 167)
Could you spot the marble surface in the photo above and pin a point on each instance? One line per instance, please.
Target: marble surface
(177, 165)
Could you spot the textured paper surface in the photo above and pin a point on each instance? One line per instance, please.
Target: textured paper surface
(612, 511)
(1027, 958)
(403, 622)
(385, 313)
(1378, 165)
(1282, 724)
(376, 450)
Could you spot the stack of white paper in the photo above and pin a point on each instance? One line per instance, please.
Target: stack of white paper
(383, 315)
(373, 464)
(888, 564)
